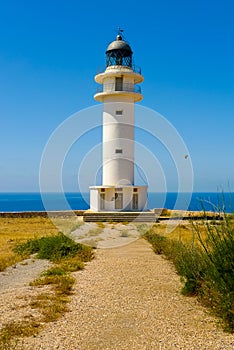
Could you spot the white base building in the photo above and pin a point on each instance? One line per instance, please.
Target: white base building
(125, 198)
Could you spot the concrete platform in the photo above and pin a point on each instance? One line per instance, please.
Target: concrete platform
(146, 216)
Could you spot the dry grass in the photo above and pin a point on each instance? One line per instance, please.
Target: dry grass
(50, 305)
(16, 230)
(183, 232)
(95, 232)
(68, 224)
(100, 224)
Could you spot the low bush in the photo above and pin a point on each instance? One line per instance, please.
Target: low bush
(218, 256)
(72, 264)
(54, 248)
(54, 271)
(185, 258)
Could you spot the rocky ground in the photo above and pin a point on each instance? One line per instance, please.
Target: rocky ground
(111, 236)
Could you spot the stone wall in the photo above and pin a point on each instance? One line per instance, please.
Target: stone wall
(44, 214)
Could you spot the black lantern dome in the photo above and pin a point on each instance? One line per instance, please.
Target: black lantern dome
(119, 53)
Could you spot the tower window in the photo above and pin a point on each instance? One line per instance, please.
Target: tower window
(135, 190)
(118, 84)
(119, 112)
(118, 150)
(102, 189)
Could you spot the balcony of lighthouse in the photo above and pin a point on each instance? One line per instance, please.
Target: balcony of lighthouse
(133, 72)
(134, 68)
(128, 90)
(128, 87)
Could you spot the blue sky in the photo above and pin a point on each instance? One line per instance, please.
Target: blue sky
(51, 50)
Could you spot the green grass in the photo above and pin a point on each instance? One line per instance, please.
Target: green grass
(206, 264)
(53, 248)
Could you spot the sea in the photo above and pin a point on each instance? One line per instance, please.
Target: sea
(23, 202)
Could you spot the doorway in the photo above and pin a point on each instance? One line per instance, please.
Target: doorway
(118, 200)
(135, 201)
(102, 201)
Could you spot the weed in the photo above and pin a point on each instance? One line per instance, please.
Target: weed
(51, 306)
(11, 331)
(54, 309)
(68, 225)
(95, 232)
(11, 344)
(72, 264)
(124, 233)
(142, 228)
(100, 224)
(58, 271)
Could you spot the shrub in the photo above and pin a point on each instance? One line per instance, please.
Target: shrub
(32, 246)
(54, 248)
(218, 255)
(185, 258)
(58, 271)
(158, 242)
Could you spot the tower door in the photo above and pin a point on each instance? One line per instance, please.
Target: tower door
(102, 201)
(118, 84)
(135, 201)
(118, 200)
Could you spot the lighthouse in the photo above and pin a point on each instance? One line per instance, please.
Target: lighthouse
(118, 91)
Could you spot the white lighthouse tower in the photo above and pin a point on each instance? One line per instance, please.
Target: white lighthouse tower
(118, 93)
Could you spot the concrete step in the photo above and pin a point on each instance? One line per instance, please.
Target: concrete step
(118, 216)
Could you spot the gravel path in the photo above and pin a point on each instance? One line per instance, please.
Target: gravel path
(21, 274)
(15, 292)
(129, 298)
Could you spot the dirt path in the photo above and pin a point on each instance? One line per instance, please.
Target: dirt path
(129, 298)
